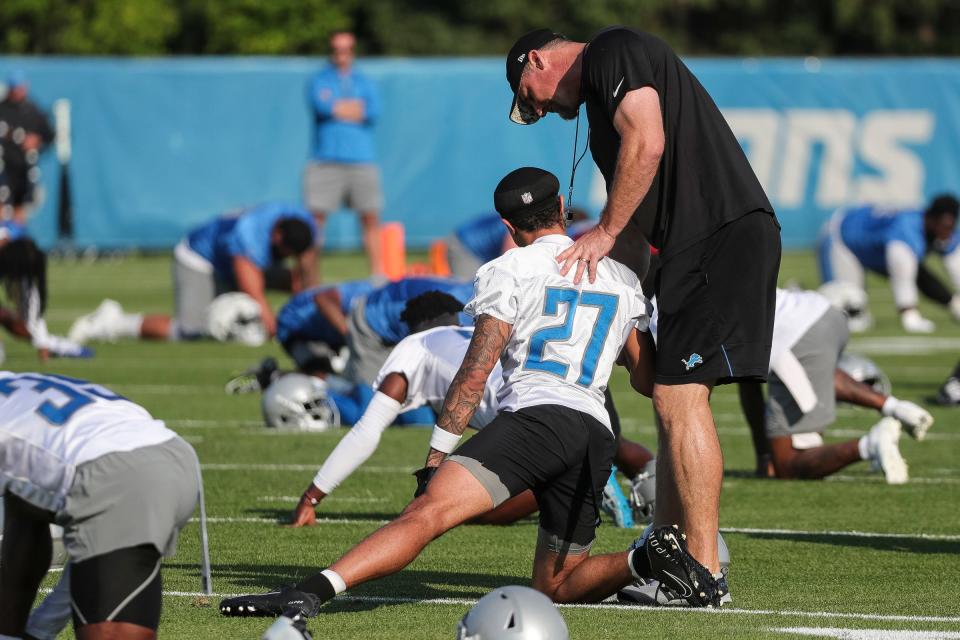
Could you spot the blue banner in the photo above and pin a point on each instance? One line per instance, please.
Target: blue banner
(160, 145)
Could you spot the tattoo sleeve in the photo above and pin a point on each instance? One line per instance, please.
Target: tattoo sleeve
(466, 391)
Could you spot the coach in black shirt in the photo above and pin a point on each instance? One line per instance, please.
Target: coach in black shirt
(676, 176)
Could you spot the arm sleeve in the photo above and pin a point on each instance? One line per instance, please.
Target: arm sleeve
(409, 358)
(902, 267)
(321, 98)
(617, 64)
(495, 293)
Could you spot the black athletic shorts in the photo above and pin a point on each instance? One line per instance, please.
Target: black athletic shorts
(563, 455)
(120, 586)
(716, 302)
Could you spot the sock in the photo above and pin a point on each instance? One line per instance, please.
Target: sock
(128, 325)
(324, 585)
(639, 564)
(864, 448)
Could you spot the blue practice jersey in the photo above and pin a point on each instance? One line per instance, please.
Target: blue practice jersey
(483, 236)
(245, 234)
(383, 306)
(867, 230)
(10, 231)
(299, 319)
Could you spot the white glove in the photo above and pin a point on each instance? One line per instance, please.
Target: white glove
(915, 419)
(913, 322)
(955, 307)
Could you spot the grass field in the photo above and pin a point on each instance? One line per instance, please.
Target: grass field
(849, 553)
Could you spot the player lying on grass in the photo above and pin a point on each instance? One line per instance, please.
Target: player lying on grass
(809, 337)
(231, 253)
(120, 483)
(418, 373)
(893, 244)
(23, 271)
(552, 435)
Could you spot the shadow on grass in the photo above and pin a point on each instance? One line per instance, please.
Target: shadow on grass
(282, 516)
(904, 544)
(413, 584)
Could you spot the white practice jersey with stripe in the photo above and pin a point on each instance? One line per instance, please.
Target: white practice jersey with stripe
(566, 337)
(429, 360)
(50, 424)
(796, 312)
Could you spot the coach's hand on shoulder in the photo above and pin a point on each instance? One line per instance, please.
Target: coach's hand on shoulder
(586, 253)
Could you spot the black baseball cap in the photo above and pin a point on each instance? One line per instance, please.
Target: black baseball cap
(525, 190)
(516, 61)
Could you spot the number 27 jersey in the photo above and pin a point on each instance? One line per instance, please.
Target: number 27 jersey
(566, 337)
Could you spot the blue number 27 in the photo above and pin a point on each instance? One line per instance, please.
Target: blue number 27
(606, 304)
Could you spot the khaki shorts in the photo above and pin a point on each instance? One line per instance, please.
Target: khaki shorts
(327, 186)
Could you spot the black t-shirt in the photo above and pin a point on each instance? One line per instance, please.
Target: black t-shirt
(704, 179)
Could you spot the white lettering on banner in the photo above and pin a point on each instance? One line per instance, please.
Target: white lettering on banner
(781, 144)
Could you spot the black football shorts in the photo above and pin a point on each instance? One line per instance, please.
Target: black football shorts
(716, 302)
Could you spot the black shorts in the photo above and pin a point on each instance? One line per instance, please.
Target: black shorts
(120, 586)
(563, 455)
(716, 302)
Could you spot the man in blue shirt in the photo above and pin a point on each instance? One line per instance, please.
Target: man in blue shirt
(342, 168)
(894, 244)
(229, 253)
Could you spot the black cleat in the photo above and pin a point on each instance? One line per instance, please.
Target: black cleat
(680, 572)
(285, 600)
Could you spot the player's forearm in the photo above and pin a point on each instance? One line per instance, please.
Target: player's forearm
(637, 164)
(849, 390)
(329, 308)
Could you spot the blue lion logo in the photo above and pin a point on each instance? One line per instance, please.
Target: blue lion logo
(692, 361)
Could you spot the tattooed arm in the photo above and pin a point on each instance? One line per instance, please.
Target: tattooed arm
(463, 397)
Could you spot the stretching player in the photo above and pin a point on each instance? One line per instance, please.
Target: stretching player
(894, 244)
(78, 454)
(230, 253)
(804, 384)
(558, 344)
(23, 271)
(418, 373)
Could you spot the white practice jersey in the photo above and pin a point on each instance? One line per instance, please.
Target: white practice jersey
(429, 360)
(50, 424)
(566, 337)
(796, 312)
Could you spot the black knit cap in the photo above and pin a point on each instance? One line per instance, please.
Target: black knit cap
(525, 190)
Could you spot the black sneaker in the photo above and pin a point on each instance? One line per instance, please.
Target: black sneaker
(680, 572)
(272, 604)
(254, 379)
(650, 593)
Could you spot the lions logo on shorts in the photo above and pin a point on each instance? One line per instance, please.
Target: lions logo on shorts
(692, 361)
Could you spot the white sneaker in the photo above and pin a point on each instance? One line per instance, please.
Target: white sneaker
(884, 453)
(101, 324)
(913, 322)
(860, 322)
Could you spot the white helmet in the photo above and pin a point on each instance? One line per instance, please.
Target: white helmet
(865, 370)
(299, 402)
(513, 613)
(850, 299)
(236, 317)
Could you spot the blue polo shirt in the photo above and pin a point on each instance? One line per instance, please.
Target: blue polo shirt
(483, 236)
(245, 234)
(383, 306)
(299, 319)
(337, 140)
(867, 230)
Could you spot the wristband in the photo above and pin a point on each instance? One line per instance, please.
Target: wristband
(889, 406)
(443, 441)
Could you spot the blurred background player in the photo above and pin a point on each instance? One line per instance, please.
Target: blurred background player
(893, 244)
(343, 167)
(25, 131)
(230, 253)
(23, 272)
(93, 474)
(804, 384)
(949, 393)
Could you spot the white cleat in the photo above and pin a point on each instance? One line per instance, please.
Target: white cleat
(885, 453)
(100, 324)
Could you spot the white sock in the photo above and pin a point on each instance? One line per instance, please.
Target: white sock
(128, 325)
(864, 448)
(339, 586)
